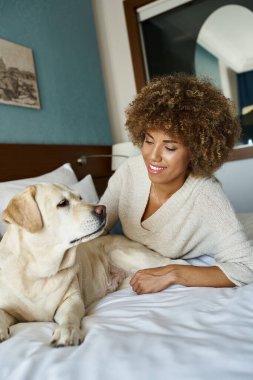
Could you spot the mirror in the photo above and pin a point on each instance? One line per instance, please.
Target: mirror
(222, 53)
(166, 42)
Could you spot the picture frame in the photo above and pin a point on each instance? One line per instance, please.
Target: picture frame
(18, 83)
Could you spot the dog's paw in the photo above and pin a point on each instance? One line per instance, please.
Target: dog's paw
(67, 335)
(4, 334)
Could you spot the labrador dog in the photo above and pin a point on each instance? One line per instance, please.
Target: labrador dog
(50, 266)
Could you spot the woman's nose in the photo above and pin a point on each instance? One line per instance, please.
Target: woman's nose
(156, 154)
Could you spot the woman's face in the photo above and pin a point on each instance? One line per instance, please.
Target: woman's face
(166, 158)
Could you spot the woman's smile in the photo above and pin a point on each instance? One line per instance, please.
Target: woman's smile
(154, 169)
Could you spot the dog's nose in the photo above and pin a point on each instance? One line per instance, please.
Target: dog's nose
(100, 211)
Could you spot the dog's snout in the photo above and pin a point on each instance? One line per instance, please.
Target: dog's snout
(100, 212)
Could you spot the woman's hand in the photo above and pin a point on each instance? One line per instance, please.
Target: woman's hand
(153, 280)
(156, 279)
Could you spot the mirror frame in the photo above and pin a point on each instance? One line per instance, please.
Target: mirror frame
(131, 16)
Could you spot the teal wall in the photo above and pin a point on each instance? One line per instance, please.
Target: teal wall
(207, 64)
(62, 36)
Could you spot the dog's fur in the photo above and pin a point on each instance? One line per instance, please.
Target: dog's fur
(50, 271)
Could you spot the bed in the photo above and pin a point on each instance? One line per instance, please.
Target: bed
(180, 333)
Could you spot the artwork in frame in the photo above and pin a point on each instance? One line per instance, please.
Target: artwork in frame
(18, 84)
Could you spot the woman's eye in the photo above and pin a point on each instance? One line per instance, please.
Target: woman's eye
(148, 141)
(170, 149)
(63, 203)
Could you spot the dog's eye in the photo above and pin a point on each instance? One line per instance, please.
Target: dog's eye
(63, 203)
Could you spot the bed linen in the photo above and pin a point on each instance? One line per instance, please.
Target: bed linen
(180, 333)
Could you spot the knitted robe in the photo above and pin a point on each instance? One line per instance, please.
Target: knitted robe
(196, 220)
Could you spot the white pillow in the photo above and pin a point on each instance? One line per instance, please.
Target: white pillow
(64, 174)
(86, 189)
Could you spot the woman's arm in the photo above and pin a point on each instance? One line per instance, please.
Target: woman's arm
(110, 198)
(156, 279)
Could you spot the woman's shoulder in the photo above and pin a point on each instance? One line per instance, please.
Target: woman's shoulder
(206, 185)
(129, 170)
(211, 185)
(135, 161)
(132, 165)
(202, 186)
(211, 196)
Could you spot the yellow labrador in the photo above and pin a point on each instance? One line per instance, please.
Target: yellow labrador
(46, 274)
(39, 263)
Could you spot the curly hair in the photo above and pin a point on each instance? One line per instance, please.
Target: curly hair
(191, 109)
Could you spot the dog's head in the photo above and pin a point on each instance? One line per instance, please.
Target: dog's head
(56, 214)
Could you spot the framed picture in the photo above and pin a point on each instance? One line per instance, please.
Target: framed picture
(18, 84)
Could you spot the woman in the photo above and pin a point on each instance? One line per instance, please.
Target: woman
(167, 198)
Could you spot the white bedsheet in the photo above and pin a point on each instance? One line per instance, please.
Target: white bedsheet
(180, 333)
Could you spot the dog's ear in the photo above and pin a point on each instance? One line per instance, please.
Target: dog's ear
(23, 211)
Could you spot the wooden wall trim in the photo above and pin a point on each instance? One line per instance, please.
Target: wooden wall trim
(241, 153)
(130, 8)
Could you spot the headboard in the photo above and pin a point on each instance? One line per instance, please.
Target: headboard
(30, 160)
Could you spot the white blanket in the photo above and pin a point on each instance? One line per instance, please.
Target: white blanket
(180, 333)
